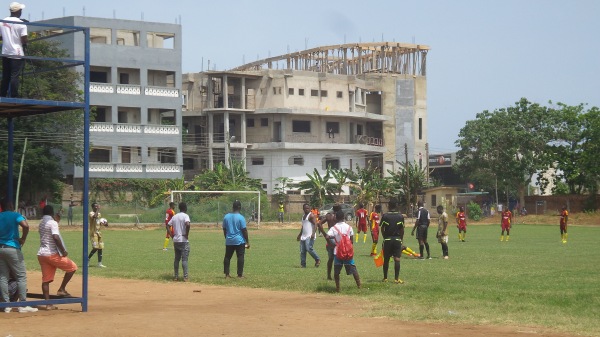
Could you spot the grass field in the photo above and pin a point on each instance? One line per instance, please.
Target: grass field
(533, 280)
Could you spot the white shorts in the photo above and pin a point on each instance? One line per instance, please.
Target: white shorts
(443, 238)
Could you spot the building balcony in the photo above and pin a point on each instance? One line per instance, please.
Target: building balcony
(135, 128)
(135, 168)
(130, 89)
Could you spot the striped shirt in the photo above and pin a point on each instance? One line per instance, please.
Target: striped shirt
(47, 228)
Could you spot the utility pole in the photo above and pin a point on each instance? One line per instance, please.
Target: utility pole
(427, 163)
(407, 175)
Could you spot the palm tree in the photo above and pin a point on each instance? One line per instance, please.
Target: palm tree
(318, 187)
(342, 178)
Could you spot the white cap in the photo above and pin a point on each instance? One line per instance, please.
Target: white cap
(15, 7)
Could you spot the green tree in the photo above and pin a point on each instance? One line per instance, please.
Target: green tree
(281, 187)
(589, 159)
(318, 187)
(223, 178)
(367, 184)
(509, 144)
(408, 189)
(342, 178)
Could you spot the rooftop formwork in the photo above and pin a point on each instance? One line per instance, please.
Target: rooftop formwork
(351, 59)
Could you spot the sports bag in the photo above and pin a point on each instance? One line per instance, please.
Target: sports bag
(345, 250)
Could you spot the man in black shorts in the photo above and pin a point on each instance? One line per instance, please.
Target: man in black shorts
(392, 231)
(422, 226)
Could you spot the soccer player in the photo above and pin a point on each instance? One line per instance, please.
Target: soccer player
(280, 212)
(564, 219)
(505, 217)
(95, 235)
(375, 217)
(169, 214)
(361, 218)
(392, 230)
(442, 232)
(422, 227)
(461, 223)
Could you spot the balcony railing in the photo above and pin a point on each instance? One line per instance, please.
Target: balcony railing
(135, 168)
(135, 128)
(130, 89)
(300, 138)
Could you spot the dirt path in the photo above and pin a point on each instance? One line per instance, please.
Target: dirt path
(120, 307)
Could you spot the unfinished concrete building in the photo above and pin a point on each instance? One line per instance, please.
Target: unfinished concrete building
(343, 105)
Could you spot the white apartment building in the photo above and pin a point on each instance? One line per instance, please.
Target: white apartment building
(343, 106)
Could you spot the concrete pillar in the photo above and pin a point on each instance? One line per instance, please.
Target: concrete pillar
(243, 99)
(243, 134)
(225, 93)
(211, 161)
(227, 137)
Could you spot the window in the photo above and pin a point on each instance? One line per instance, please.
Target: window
(264, 186)
(99, 76)
(314, 93)
(433, 200)
(301, 92)
(301, 126)
(100, 156)
(250, 122)
(264, 122)
(258, 161)
(290, 91)
(420, 128)
(332, 127)
(296, 160)
(359, 130)
(340, 94)
(128, 37)
(323, 93)
(100, 115)
(160, 40)
(334, 163)
(123, 78)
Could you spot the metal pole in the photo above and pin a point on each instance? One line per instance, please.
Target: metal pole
(9, 185)
(20, 175)
(86, 165)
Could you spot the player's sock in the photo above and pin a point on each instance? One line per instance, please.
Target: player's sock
(427, 249)
(374, 249)
(421, 250)
(566, 236)
(501, 237)
(166, 243)
(365, 238)
(356, 239)
(507, 237)
(464, 236)
(396, 269)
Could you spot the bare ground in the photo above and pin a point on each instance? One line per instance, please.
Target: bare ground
(119, 307)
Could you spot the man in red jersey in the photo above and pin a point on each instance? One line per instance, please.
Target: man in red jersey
(169, 214)
(361, 222)
(461, 223)
(375, 217)
(564, 219)
(505, 217)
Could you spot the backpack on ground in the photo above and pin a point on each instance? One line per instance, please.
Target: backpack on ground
(345, 249)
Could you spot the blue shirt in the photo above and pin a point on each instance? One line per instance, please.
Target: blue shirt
(9, 228)
(233, 223)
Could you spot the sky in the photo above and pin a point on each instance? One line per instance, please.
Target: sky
(485, 55)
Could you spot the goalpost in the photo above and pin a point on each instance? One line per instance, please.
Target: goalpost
(258, 218)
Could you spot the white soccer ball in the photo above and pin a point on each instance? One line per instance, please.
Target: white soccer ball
(103, 222)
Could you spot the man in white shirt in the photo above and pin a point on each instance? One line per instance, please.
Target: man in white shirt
(181, 244)
(335, 233)
(52, 255)
(14, 39)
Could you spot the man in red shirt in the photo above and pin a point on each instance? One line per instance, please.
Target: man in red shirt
(461, 223)
(361, 218)
(564, 219)
(375, 217)
(169, 214)
(505, 217)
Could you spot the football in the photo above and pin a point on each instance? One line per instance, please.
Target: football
(103, 222)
